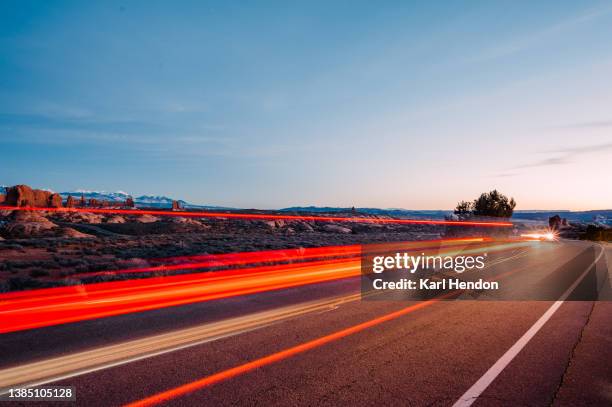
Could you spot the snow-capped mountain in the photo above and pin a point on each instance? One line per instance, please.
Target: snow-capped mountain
(99, 195)
(121, 196)
(148, 201)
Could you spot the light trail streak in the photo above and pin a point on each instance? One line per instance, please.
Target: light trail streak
(262, 216)
(237, 259)
(550, 236)
(265, 256)
(278, 356)
(53, 306)
(71, 365)
(116, 298)
(82, 362)
(85, 289)
(210, 380)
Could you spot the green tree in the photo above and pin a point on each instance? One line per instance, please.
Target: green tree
(463, 208)
(494, 204)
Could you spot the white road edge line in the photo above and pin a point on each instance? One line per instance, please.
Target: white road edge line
(472, 394)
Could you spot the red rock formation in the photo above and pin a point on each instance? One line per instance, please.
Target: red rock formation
(82, 201)
(2, 198)
(25, 224)
(176, 206)
(129, 202)
(55, 201)
(93, 202)
(554, 222)
(23, 195)
(70, 202)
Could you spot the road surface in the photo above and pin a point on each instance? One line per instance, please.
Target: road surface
(323, 345)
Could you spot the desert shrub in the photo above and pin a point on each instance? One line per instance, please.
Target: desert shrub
(21, 283)
(81, 269)
(21, 264)
(15, 246)
(48, 264)
(38, 272)
(597, 233)
(68, 262)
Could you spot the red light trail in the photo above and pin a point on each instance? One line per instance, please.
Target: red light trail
(51, 306)
(203, 261)
(237, 259)
(227, 374)
(278, 356)
(262, 216)
(78, 303)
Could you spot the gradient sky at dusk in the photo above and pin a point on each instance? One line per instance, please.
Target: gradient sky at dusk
(385, 104)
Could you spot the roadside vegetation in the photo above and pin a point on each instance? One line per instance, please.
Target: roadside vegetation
(490, 204)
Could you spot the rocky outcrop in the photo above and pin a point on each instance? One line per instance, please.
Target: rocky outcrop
(554, 222)
(275, 224)
(70, 232)
(302, 226)
(2, 199)
(55, 201)
(187, 221)
(80, 217)
(147, 219)
(115, 219)
(27, 224)
(129, 202)
(176, 206)
(336, 229)
(23, 195)
(70, 202)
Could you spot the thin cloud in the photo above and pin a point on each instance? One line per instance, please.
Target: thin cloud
(593, 148)
(588, 125)
(546, 162)
(568, 155)
(528, 41)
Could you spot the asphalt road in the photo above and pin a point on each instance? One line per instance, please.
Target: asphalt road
(432, 353)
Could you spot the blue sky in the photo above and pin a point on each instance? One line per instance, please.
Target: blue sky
(269, 104)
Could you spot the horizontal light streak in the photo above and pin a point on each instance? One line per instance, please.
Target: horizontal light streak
(260, 216)
(215, 378)
(265, 256)
(278, 356)
(24, 314)
(236, 259)
(52, 306)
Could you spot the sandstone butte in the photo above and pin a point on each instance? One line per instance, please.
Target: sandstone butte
(24, 196)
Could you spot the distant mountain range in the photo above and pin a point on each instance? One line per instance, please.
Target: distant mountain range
(603, 216)
(151, 201)
(425, 214)
(148, 201)
(596, 216)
